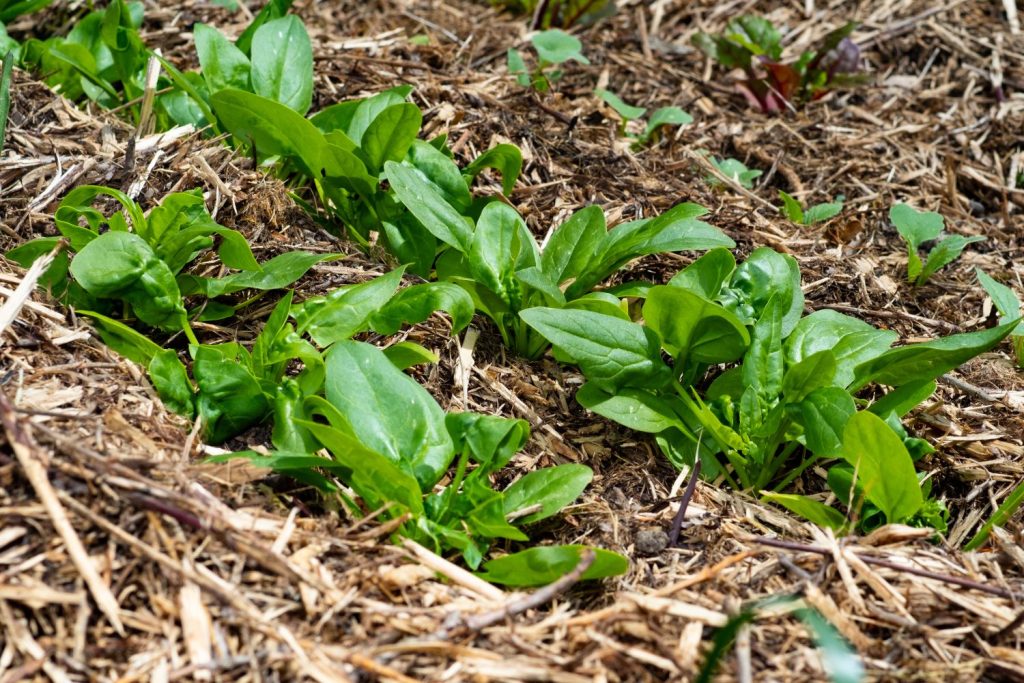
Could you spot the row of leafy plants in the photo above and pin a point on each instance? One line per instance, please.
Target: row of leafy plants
(753, 391)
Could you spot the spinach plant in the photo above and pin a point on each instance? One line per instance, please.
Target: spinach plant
(1009, 307)
(877, 483)
(234, 387)
(665, 116)
(342, 151)
(814, 214)
(394, 445)
(130, 264)
(919, 227)
(554, 48)
(102, 59)
(12, 9)
(497, 260)
(782, 387)
(735, 170)
(273, 58)
(753, 44)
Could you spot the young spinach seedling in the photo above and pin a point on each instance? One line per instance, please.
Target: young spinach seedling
(554, 48)
(815, 214)
(918, 227)
(665, 116)
(734, 169)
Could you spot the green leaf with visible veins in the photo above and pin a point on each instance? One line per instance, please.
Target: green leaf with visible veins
(612, 353)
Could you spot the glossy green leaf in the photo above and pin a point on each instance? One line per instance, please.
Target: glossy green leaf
(810, 509)
(436, 215)
(170, 379)
(413, 305)
(378, 479)
(490, 439)
(792, 208)
(390, 134)
(274, 9)
(388, 411)
(545, 564)
(883, 465)
(552, 488)
(123, 339)
(612, 353)
(928, 360)
(277, 273)
(945, 252)
(708, 274)
(824, 413)
(665, 116)
(282, 63)
(851, 341)
(223, 64)
(230, 398)
(903, 399)
(574, 244)
(273, 129)
(634, 408)
(822, 212)
(626, 111)
(1003, 298)
(815, 371)
(505, 158)
(120, 265)
(345, 311)
(555, 46)
(916, 227)
(407, 354)
(694, 328)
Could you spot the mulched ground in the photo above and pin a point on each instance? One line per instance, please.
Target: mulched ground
(220, 573)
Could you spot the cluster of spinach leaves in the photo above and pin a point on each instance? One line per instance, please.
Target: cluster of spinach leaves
(786, 397)
(103, 59)
(394, 446)
(498, 261)
(129, 264)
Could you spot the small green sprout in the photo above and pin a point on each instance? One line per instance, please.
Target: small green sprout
(554, 48)
(735, 170)
(665, 116)
(918, 227)
(814, 214)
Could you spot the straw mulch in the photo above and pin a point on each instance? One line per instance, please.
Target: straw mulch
(123, 557)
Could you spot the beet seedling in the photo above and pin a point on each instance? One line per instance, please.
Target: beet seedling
(665, 116)
(814, 214)
(918, 227)
(554, 48)
(755, 45)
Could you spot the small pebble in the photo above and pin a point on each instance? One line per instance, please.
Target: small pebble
(650, 541)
